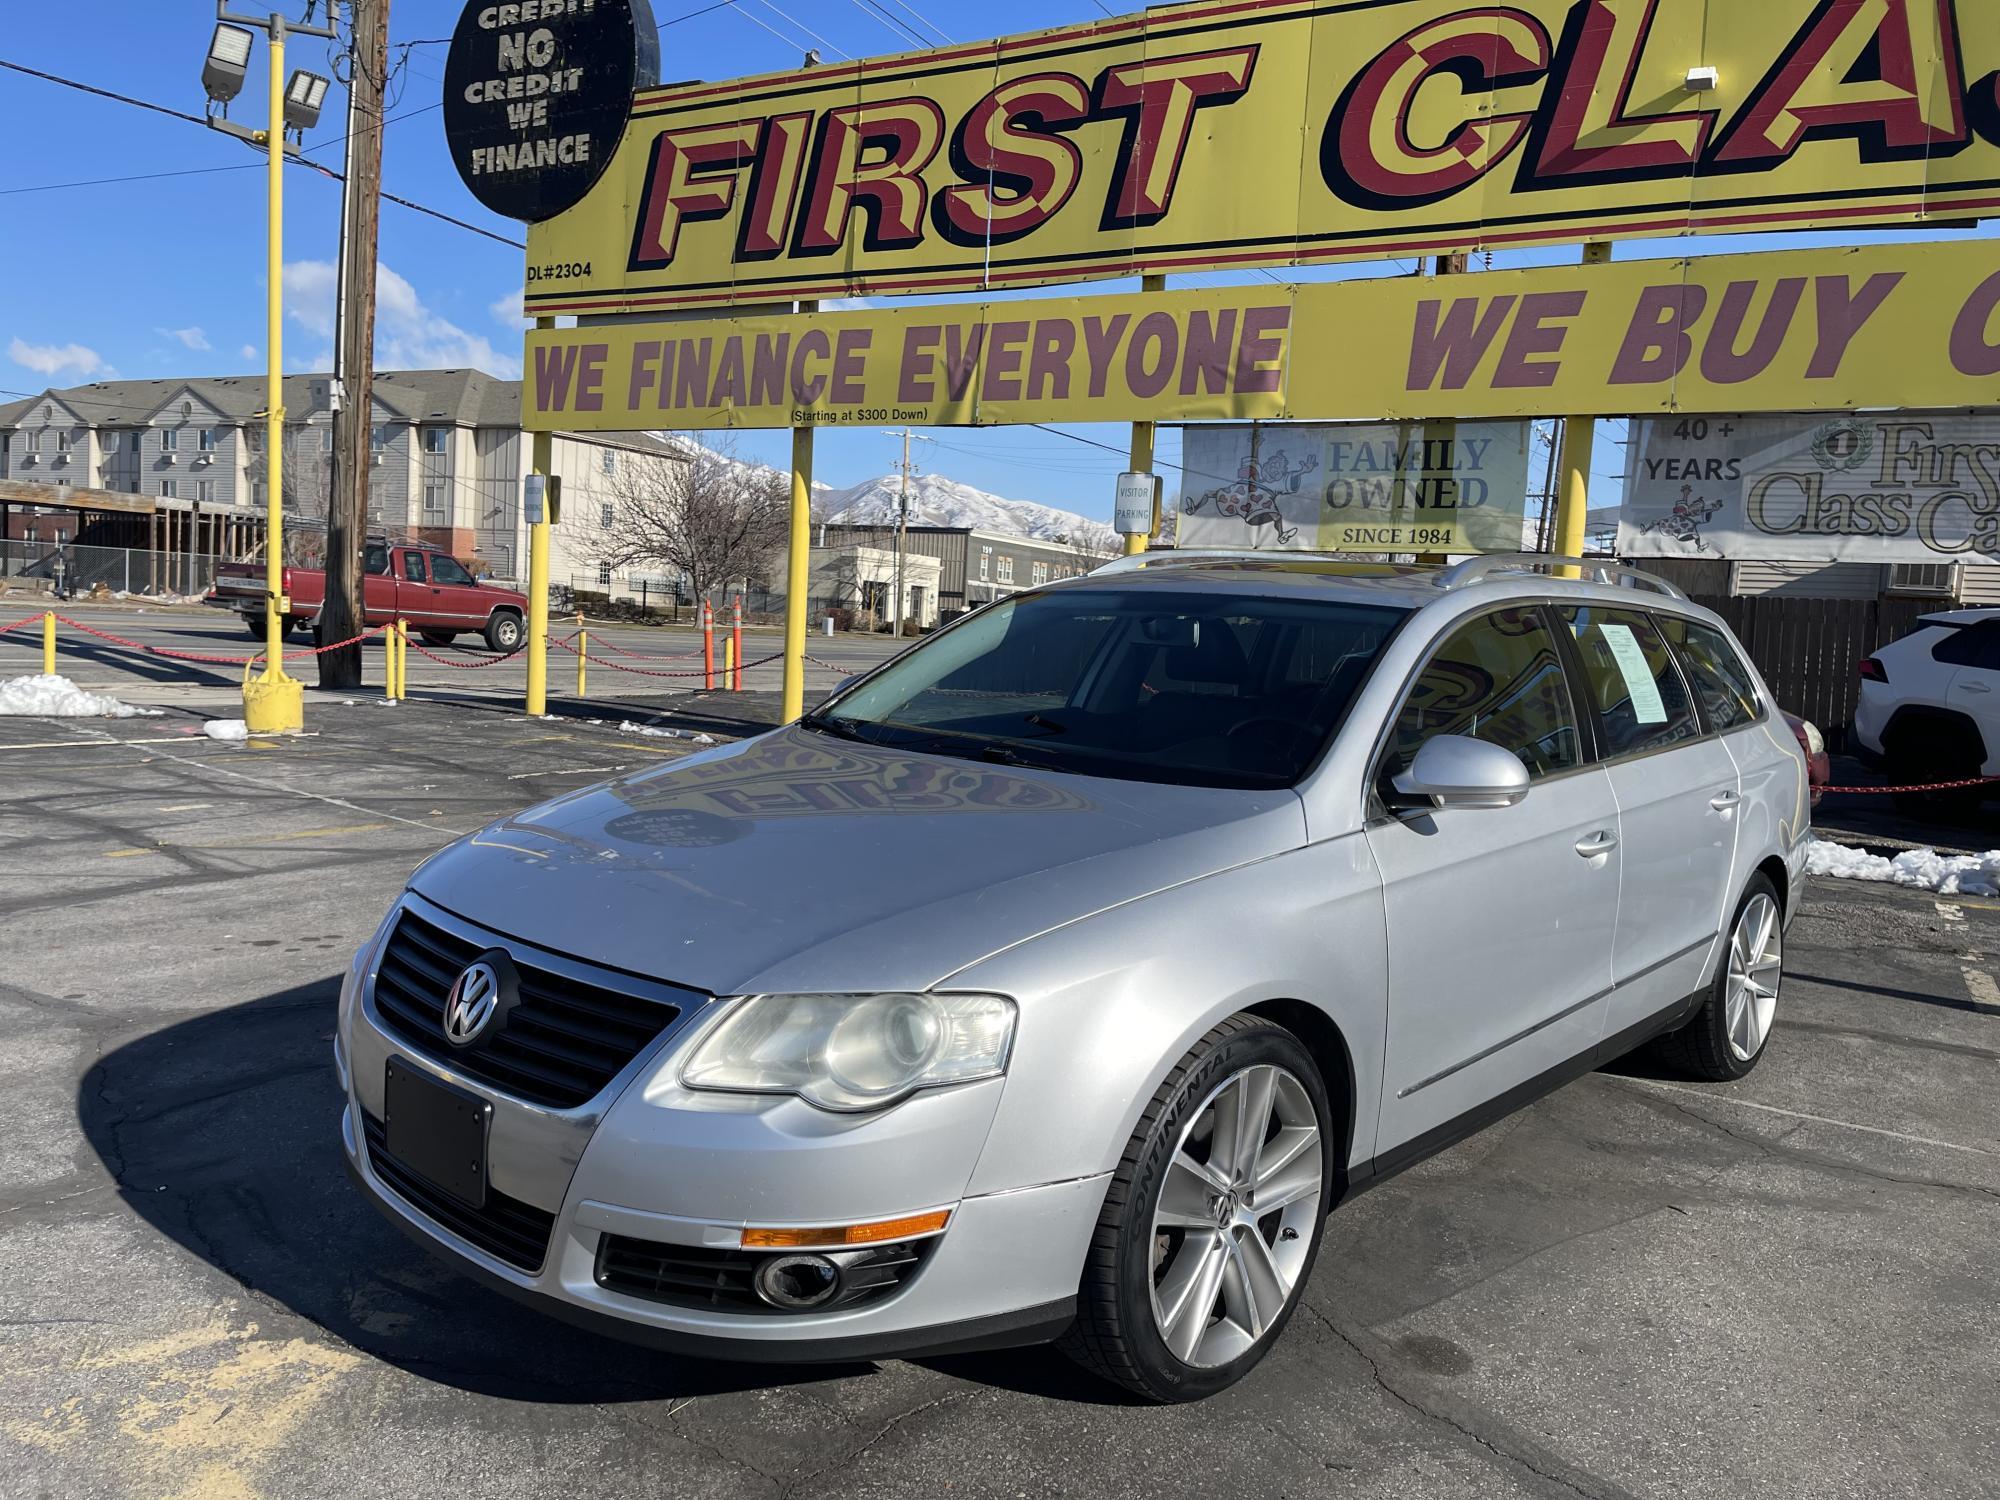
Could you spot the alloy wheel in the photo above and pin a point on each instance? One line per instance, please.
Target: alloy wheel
(1234, 1222)
(1756, 964)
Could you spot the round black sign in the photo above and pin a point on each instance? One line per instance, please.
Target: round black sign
(537, 93)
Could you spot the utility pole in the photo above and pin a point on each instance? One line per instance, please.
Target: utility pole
(902, 530)
(354, 359)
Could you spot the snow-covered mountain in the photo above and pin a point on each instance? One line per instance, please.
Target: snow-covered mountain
(938, 501)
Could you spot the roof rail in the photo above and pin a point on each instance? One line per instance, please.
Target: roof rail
(1193, 558)
(1592, 569)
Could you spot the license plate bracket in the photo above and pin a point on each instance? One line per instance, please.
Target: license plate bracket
(437, 1131)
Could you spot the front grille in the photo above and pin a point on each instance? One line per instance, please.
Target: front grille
(506, 1228)
(720, 1280)
(559, 1046)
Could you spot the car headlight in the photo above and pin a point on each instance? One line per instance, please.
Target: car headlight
(853, 1052)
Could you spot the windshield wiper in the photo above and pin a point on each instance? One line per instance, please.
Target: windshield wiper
(839, 728)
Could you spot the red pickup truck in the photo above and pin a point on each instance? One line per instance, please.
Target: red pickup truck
(429, 588)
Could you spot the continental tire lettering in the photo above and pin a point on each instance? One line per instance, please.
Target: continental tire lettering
(871, 155)
(1856, 69)
(1159, 99)
(1367, 156)
(1019, 170)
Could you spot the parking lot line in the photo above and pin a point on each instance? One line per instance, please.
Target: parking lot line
(1793, 1114)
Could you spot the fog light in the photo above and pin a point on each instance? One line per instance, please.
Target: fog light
(798, 1282)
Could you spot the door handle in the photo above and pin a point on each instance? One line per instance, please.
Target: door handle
(1974, 687)
(1726, 802)
(1596, 844)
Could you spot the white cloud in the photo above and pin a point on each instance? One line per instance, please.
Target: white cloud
(56, 359)
(507, 310)
(193, 337)
(408, 334)
(250, 353)
(846, 304)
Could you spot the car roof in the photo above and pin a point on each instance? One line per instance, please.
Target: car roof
(1406, 586)
(1959, 617)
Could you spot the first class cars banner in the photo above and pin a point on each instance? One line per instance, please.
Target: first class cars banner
(1814, 330)
(1277, 132)
(1905, 487)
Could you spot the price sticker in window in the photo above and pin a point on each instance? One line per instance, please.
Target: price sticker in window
(1640, 686)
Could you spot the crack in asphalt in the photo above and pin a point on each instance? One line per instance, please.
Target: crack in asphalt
(1609, 1492)
(949, 1398)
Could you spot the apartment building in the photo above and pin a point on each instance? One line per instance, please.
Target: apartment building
(447, 457)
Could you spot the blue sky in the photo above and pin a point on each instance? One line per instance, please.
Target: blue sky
(131, 273)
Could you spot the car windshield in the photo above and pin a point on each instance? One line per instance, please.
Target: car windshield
(1144, 684)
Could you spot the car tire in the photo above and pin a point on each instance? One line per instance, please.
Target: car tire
(1172, 1278)
(439, 637)
(504, 632)
(255, 625)
(1727, 1036)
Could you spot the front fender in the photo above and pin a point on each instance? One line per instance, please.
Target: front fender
(1110, 1003)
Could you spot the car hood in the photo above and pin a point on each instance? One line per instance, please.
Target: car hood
(799, 861)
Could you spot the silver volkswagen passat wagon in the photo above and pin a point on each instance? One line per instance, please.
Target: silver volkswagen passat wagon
(1056, 979)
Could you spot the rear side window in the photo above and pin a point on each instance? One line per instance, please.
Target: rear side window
(413, 566)
(375, 561)
(1642, 703)
(1727, 693)
(1974, 646)
(1497, 679)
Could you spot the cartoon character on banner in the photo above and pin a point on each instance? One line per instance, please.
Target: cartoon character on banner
(1684, 522)
(1261, 484)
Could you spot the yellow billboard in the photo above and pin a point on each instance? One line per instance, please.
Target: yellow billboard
(1813, 330)
(1284, 132)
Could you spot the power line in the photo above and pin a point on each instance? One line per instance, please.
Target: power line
(719, 5)
(51, 187)
(747, 15)
(901, 30)
(324, 171)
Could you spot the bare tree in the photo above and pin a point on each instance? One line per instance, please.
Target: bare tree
(711, 518)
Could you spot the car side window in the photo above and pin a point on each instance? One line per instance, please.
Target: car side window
(1498, 679)
(1974, 646)
(413, 566)
(375, 561)
(449, 570)
(1724, 686)
(1642, 703)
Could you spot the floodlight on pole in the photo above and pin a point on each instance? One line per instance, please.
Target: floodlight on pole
(227, 63)
(304, 95)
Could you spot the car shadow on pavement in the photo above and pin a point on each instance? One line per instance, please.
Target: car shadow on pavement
(223, 1133)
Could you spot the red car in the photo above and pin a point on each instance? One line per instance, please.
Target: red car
(1819, 771)
(428, 587)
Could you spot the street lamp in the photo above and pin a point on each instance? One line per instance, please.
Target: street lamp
(273, 703)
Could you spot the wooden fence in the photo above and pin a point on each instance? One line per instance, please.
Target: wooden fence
(1810, 650)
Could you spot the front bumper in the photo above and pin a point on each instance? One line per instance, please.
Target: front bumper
(647, 1160)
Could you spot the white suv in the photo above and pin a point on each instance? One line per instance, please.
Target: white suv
(1930, 703)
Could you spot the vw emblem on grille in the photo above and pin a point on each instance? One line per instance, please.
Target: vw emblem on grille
(470, 1007)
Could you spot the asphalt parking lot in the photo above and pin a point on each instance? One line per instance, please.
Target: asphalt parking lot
(1639, 1287)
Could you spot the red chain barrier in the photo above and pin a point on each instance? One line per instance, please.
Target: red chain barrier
(462, 666)
(604, 645)
(844, 671)
(1927, 786)
(228, 661)
(32, 619)
(643, 672)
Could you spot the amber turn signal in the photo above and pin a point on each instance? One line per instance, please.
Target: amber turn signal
(826, 1235)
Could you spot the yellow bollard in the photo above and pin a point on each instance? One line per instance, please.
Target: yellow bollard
(729, 682)
(582, 657)
(48, 643)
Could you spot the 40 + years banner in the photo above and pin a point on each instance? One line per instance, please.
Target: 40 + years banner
(1906, 487)
(1269, 133)
(1356, 487)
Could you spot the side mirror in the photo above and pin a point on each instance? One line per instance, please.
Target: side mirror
(1453, 771)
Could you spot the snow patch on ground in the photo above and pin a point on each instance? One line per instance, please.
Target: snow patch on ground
(59, 698)
(655, 732)
(1921, 869)
(226, 729)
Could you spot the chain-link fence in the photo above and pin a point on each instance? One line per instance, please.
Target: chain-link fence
(71, 570)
